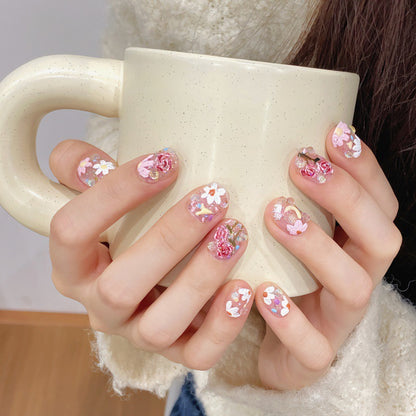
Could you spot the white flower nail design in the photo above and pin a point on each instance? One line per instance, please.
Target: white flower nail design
(103, 167)
(232, 310)
(213, 194)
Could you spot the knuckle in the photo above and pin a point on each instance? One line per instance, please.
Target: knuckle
(391, 246)
(168, 238)
(321, 359)
(359, 295)
(155, 338)
(198, 359)
(99, 325)
(63, 229)
(114, 295)
(355, 195)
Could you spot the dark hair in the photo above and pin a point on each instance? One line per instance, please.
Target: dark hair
(377, 40)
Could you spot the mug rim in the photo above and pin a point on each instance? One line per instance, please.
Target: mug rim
(238, 61)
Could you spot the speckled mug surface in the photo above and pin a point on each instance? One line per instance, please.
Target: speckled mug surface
(231, 121)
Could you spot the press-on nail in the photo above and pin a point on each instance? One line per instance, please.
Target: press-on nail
(227, 239)
(157, 165)
(289, 217)
(346, 140)
(312, 166)
(276, 301)
(237, 303)
(91, 169)
(208, 202)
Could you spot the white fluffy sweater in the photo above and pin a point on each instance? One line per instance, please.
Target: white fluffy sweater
(375, 370)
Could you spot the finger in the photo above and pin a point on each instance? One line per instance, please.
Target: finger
(222, 324)
(75, 228)
(79, 165)
(343, 277)
(167, 318)
(309, 351)
(353, 207)
(121, 287)
(349, 152)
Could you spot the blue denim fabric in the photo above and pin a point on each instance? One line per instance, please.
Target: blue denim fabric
(187, 403)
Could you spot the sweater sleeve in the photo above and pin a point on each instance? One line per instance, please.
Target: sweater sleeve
(374, 373)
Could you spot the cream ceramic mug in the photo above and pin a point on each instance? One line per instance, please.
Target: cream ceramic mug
(233, 121)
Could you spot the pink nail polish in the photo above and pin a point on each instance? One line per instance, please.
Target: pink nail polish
(91, 169)
(312, 166)
(276, 301)
(157, 165)
(288, 217)
(237, 303)
(227, 239)
(207, 203)
(346, 140)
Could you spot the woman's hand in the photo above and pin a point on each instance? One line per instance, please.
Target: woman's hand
(191, 322)
(304, 334)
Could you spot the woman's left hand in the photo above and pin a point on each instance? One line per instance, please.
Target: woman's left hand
(304, 334)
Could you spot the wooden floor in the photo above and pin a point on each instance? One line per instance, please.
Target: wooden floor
(46, 369)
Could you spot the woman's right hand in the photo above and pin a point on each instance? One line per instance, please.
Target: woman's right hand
(192, 321)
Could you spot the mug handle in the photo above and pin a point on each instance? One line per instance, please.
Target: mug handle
(26, 96)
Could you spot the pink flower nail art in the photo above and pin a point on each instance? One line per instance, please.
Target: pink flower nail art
(313, 166)
(207, 203)
(157, 165)
(237, 303)
(227, 239)
(91, 169)
(289, 217)
(344, 137)
(276, 301)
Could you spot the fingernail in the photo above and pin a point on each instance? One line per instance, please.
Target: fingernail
(208, 202)
(346, 140)
(276, 301)
(158, 165)
(91, 169)
(237, 302)
(312, 166)
(288, 217)
(227, 239)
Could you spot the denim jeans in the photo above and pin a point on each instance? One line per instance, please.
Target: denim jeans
(187, 403)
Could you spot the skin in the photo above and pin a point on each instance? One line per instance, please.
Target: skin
(122, 296)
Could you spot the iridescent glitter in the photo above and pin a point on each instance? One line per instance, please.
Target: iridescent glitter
(91, 169)
(227, 239)
(313, 166)
(206, 204)
(237, 303)
(157, 165)
(345, 138)
(276, 301)
(288, 216)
